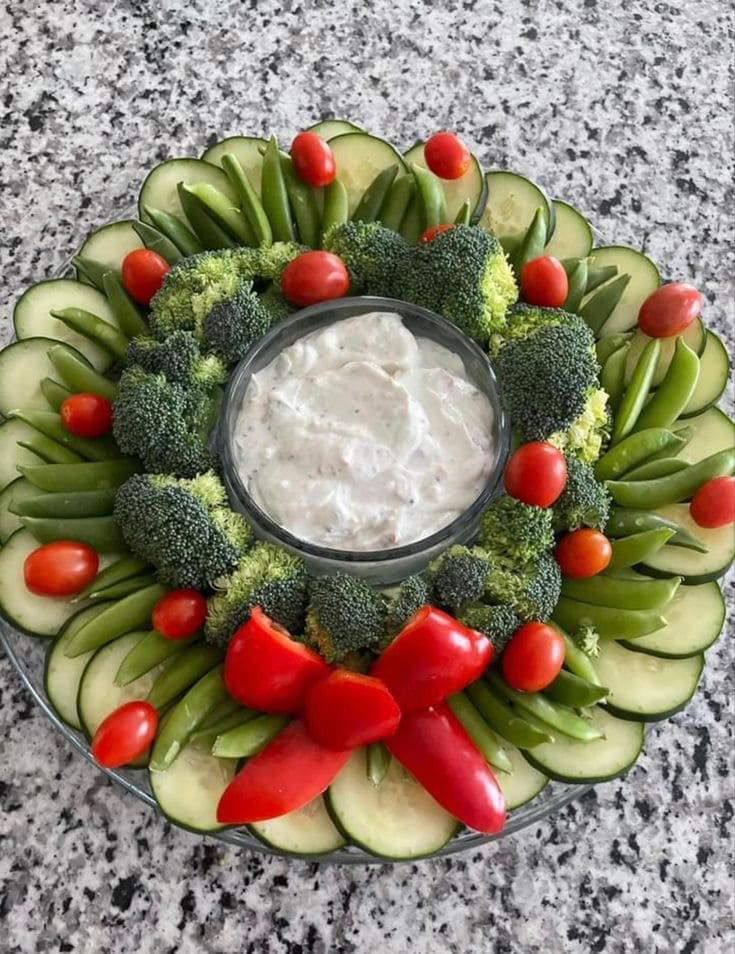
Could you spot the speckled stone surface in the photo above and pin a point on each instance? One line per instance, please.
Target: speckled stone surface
(626, 114)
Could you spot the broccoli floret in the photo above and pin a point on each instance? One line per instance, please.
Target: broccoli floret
(496, 622)
(585, 501)
(515, 532)
(178, 359)
(410, 596)
(586, 435)
(377, 259)
(267, 576)
(458, 576)
(276, 304)
(183, 528)
(523, 319)
(531, 589)
(345, 616)
(588, 640)
(232, 327)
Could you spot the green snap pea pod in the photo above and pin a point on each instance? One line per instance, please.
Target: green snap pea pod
(228, 216)
(81, 503)
(274, 195)
(411, 223)
(303, 202)
(208, 731)
(635, 396)
(377, 762)
(577, 286)
(623, 522)
(157, 242)
(175, 230)
(506, 723)
(674, 392)
(577, 661)
(684, 434)
(374, 196)
(627, 594)
(598, 309)
(537, 705)
(79, 376)
(248, 739)
(598, 275)
(397, 201)
(610, 343)
(186, 716)
(336, 206)
(573, 691)
(101, 332)
(85, 475)
(661, 467)
(638, 547)
(123, 307)
(122, 569)
(49, 423)
(250, 203)
(54, 393)
(103, 534)
(125, 616)
(181, 672)
(91, 271)
(430, 193)
(117, 590)
(49, 451)
(612, 376)
(210, 233)
(486, 741)
(149, 652)
(464, 214)
(533, 242)
(609, 622)
(633, 450)
(676, 487)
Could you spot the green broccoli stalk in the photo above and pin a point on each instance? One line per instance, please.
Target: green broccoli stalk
(403, 602)
(498, 623)
(178, 359)
(514, 532)
(532, 589)
(345, 617)
(458, 577)
(585, 501)
(232, 327)
(183, 528)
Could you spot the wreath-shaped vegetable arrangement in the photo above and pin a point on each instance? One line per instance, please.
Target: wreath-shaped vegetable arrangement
(581, 611)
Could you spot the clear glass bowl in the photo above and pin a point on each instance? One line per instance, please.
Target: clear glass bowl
(381, 567)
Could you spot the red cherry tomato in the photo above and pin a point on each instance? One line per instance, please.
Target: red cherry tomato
(544, 282)
(713, 505)
(431, 658)
(447, 156)
(63, 568)
(314, 276)
(536, 474)
(583, 553)
(87, 415)
(267, 670)
(347, 710)
(313, 159)
(533, 658)
(287, 774)
(179, 614)
(125, 734)
(143, 272)
(669, 310)
(431, 233)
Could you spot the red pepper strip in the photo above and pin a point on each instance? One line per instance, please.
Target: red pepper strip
(289, 773)
(437, 751)
(347, 710)
(432, 657)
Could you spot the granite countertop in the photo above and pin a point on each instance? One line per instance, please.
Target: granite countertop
(626, 114)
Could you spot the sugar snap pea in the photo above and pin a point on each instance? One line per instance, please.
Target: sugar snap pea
(638, 547)
(634, 449)
(577, 287)
(175, 230)
(508, 724)
(486, 741)
(222, 210)
(673, 488)
(599, 274)
(148, 653)
(397, 201)
(181, 672)
(370, 204)
(609, 622)
(101, 332)
(123, 307)
(210, 728)
(49, 423)
(411, 223)
(623, 522)
(661, 467)
(50, 451)
(533, 242)
(573, 691)
(610, 343)
(54, 393)
(377, 762)
(577, 661)
(632, 402)
(250, 203)
(79, 376)
(612, 376)
(81, 503)
(555, 716)
(336, 206)
(430, 193)
(248, 739)
(85, 475)
(674, 392)
(303, 201)
(125, 616)
(597, 309)
(122, 569)
(89, 270)
(210, 233)
(117, 590)
(274, 195)
(103, 534)
(642, 594)
(464, 213)
(157, 242)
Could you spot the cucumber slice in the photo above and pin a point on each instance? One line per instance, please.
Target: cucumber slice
(695, 336)
(331, 128)
(12, 455)
(110, 244)
(572, 236)
(584, 763)
(16, 491)
(714, 373)
(160, 188)
(248, 152)
(511, 204)
(713, 432)
(644, 279)
(62, 675)
(359, 158)
(190, 789)
(23, 365)
(644, 687)
(693, 566)
(32, 316)
(307, 831)
(397, 819)
(694, 620)
(472, 185)
(523, 783)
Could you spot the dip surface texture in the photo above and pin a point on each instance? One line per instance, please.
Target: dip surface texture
(361, 436)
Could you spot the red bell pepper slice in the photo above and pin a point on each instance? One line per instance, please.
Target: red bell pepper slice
(436, 750)
(348, 709)
(267, 670)
(432, 657)
(287, 774)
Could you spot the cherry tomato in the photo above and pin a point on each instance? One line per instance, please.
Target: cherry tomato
(267, 670)
(536, 474)
(713, 505)
(583, 553)
(313, 159)
(533, 658)
(431, 658)
(62, 568)
(347, 710)
(87, 415)
(125, 734)
(314, 276)
(143, 272)
(447, 156)
(179, 614)
(544, 282)
(430, 234)
(669, 310)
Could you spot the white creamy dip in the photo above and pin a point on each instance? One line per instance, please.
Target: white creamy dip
(360, 436)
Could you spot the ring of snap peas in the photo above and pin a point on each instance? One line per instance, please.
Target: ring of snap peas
(508, 725)
(537, 705)
(651, 494)
(125, 616)
(635, 449)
